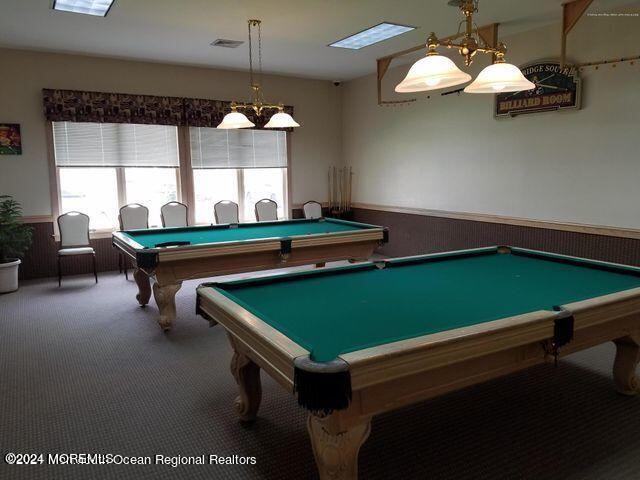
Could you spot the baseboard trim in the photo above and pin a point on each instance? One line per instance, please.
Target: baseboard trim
(523, 222)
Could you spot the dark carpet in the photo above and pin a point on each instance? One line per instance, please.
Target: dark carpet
(84, 370)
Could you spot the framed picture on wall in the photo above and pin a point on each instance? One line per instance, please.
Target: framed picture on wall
(10, 139)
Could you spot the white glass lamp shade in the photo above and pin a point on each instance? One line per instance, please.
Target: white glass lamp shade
(281, 120)
(235, 120)
(498, 78)
(431, 73)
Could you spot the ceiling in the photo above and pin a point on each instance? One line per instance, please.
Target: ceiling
(294, 32)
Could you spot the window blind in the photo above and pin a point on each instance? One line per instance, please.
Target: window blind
(216, 148)
(83, 144)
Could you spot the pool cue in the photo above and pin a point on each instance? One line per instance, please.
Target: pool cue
(344, 183)
(340, 190)
(335, 186)
(330, 193)
(350, 185)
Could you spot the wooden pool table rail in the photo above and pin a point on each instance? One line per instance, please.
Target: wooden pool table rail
(148, 258)
(396, 374)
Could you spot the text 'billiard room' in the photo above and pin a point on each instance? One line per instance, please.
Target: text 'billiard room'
(320, 239)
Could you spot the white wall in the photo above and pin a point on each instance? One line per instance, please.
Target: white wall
(449, 153)
(315, 145)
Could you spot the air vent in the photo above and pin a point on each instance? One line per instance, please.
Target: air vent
(223, 42)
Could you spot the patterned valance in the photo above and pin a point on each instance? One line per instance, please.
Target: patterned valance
(200, 112)
(98, 107)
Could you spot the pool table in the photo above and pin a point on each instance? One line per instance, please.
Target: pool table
(171, 255)
(356, 341)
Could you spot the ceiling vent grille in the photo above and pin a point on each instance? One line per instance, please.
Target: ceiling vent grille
(223, 42)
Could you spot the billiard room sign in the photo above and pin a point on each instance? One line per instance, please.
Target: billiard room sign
(557, 88)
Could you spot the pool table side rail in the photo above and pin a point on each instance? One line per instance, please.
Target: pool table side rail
(578, 261)
(406, 357)
(148, 257)
(225, 226)
(128, 239)
(346, 269)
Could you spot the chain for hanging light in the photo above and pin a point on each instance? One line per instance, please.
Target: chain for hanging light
(258, 105)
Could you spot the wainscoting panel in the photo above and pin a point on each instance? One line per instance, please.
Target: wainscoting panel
(410, 234)
(413, 234)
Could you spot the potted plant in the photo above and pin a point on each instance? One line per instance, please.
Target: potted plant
(15, 239)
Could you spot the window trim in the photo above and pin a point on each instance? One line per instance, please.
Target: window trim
(184, 181)
(240, 184)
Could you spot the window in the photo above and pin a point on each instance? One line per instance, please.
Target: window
(93, 191)
(151, 187)
(211, 186)
(239, 165)
(262, 183)
(103, 166)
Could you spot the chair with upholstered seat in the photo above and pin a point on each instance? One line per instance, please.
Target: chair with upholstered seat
(266, 210)
(74, 239)
(226, 211)
(132, 217)
(312, 209)
(174, 214)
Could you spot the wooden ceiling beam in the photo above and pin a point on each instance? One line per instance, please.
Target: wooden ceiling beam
(571, 12)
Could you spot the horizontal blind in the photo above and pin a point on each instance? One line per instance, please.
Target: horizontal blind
(84, 144)
(217, 148)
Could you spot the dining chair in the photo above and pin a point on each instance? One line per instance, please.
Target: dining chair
(266, 210)
(132, 217)
(312, 209)
(174, 214)
(74, 239)
(226, 211)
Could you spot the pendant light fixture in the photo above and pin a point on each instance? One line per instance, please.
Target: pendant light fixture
(499, 77)
(436, 71)
(236, 119)
(432, 72)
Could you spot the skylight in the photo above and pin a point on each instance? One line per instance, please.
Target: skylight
(98, 8)
(375, 34)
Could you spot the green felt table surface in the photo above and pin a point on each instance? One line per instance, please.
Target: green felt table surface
(255, 231)
(334, 313)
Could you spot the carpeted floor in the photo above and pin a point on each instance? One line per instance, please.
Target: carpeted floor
(83, 369)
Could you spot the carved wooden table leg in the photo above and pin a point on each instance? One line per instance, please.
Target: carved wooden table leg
(165, 296)
(335, 447)
(144, 287)
(626, 362)
(247, 375)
